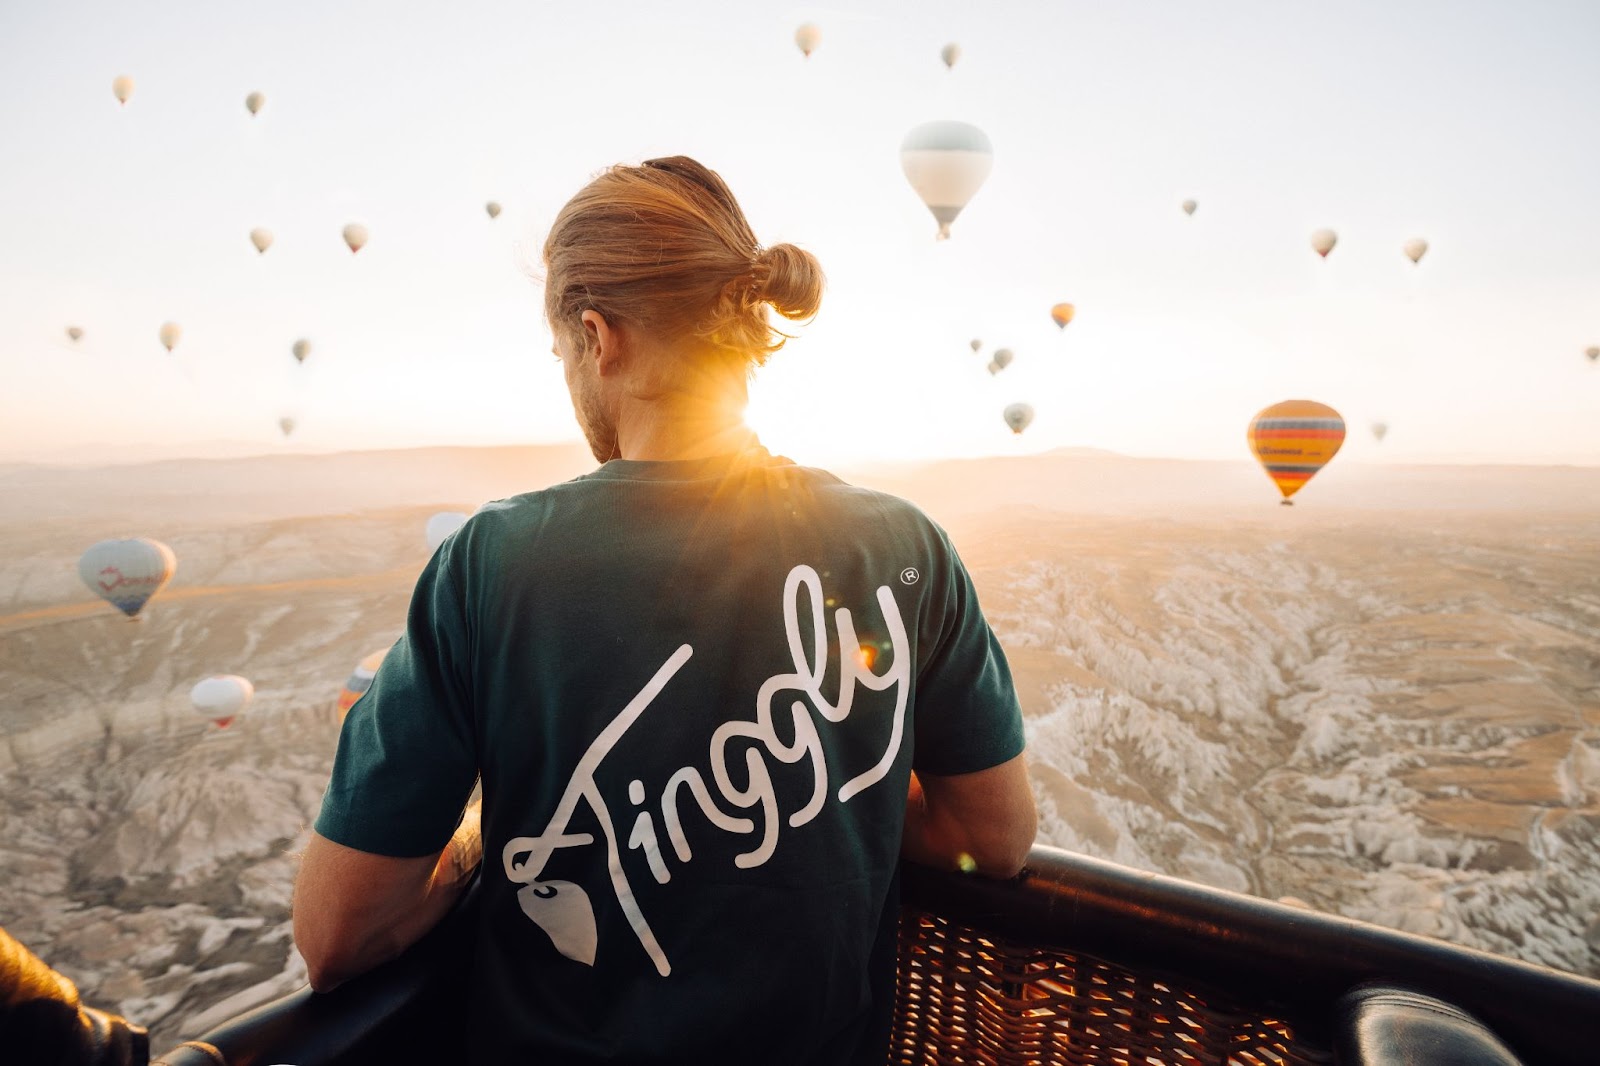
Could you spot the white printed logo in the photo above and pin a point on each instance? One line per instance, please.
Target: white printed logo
(909, 576)
(563, 909)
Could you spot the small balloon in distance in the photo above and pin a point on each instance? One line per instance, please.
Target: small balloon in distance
(1189, 207)
(1018, 416)
(1323, 240)
(1001, 359)
(1415, 249)
(355, 235)
(261, 238)
(493, 209)
(126, 573)
(122, 88)
(300, 349)
(807, 37)
(255, 102)
(222, 698)
(75, 333)
(170, 334)
(975, 344)
(1062, 314)
(950, 53)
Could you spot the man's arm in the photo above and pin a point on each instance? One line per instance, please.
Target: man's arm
(354, 910)
(983, 822)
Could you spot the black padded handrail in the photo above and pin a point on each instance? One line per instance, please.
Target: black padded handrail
(1295, 961)
(1256, 951)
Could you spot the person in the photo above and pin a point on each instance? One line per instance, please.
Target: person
(712, 697)
(43, 1021)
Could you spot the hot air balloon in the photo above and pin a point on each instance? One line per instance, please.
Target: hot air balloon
(1380, 430)
(976, 344)
(126, 573)
(355, 235)
(493, 208)
(1000, 360)
(1593, 353)
(255, 102)
(170, 332)
(442, 525)
(1323, 240)
(1415, 249)
(808, 37)
(222, 697)
(75, 333)
(261, 238)
(360, 681)
(122, 88)
(301, 349)
(1062, 314)
(946, 163)
(287, 424)
(1189, 206)
(1018, 415)
(950, 53)
(1293, 440)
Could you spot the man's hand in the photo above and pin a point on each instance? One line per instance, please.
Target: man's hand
(982, 822)
(354, 910)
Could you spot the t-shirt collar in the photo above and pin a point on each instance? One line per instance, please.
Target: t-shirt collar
(703, 469)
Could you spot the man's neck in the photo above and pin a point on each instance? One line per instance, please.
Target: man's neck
(658, 435)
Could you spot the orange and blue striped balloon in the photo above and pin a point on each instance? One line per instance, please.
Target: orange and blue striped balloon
(1293, 440)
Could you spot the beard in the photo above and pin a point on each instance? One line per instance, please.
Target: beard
(598, 429)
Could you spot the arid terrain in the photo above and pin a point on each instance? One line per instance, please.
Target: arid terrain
(1384, 701)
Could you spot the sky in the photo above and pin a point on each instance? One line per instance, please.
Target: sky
(1473, 125)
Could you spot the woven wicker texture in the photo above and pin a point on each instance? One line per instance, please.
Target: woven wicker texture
(966, 998)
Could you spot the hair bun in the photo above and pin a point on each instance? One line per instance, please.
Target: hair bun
(790, 279)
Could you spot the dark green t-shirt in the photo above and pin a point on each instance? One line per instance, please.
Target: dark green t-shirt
(695, 692)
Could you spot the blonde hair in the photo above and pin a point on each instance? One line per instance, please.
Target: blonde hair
(665, 247)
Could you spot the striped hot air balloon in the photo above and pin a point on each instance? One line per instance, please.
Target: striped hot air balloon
(1294, 439)
(360, 681)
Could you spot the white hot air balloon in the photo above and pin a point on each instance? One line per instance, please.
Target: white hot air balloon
(493, 208)
(76, 333)
(1415, 249)
(222, 698)
(1592, 354)
(1189, 207)
(355, 235)
(126, 573)
(1002, 359)
(946, 163)
(1323, 240)
(170, 334)
(301, 349)
(1018, 416)
(261, 238)
(122, 88)
(255, 102)
(287, 424)
(808, 37)
(442, 525)
(950, 53)
(1380, 430)
(976, 345)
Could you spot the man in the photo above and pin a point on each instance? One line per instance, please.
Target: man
(695, 685)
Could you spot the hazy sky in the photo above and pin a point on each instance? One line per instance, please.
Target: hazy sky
(1474, 125)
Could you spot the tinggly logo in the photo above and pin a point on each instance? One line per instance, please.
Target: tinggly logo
(563, 909)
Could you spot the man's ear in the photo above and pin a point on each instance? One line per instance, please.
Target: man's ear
(603, 343)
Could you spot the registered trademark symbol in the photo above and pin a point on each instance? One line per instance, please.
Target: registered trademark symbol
(909, 575)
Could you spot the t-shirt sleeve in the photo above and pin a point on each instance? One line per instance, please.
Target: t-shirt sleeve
(407, 756)
(967, 715)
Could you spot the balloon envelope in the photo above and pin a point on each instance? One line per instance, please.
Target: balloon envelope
(122, 88)
(75, 333)
(221, 697)
(255, 102)
(1018, 415)
(1062, 314)
(355, 235)
(1415, 249)
(261, 238)
(442, 525)
(1002, 358)
(360, 681)
(126, 573)
(975, 344)
(950, 53)
(808, 37)
(170, 334)
(1593, 353)
(301, 349)
(1189, 206)
(286, 425)
(1293, 440)
(1380, 430)
(1323, 240)
(947, 163)
(493, 208)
